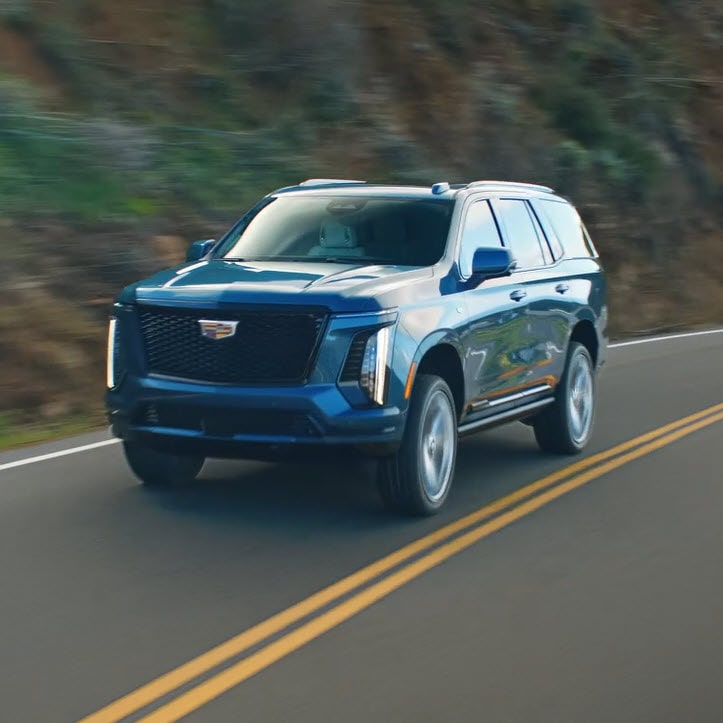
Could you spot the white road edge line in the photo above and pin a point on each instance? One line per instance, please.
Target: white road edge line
(106, 442)
(664, 338)
(60, 453)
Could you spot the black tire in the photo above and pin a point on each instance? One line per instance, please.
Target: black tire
(563, 428)
(402, 478)
(161, 469)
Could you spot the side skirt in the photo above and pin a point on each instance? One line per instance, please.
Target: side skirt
(508, 416)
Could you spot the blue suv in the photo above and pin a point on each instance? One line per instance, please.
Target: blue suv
(385, 319)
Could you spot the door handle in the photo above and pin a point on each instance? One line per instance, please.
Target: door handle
(518, 295)
(562, 288)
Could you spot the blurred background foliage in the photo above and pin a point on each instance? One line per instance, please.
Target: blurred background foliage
(127, 129)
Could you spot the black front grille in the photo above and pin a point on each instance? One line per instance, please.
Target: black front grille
(267, 346)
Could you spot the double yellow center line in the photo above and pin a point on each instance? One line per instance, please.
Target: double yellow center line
(333, 605)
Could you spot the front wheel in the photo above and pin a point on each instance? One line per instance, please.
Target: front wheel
(565, 427)
(161, 469)
(417, 478)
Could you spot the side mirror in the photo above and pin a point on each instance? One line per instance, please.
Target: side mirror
(198, 249)
(489, 262)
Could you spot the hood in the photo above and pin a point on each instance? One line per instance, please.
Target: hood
(339, 287)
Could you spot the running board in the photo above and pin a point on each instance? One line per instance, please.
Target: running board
(489, 403)
(508, 416)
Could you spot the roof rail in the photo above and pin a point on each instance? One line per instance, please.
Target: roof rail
(327, 181)
(512, 184)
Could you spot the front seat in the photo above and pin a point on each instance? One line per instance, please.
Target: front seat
(337, 239)
(390, 237)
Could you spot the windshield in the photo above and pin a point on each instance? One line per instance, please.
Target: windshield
(399, 231)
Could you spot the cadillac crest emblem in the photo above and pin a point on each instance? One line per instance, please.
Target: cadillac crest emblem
(217, 329)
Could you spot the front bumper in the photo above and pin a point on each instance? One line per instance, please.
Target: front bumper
(226, 421)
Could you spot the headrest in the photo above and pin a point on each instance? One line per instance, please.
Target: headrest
(336, 235)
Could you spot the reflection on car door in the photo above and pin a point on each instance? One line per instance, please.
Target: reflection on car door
(543, 328)
(570, 279)
(496, 322)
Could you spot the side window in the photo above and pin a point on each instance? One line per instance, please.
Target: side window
(520, 233)
(567, 226)
(546, 231)
(542, 237)
(480, 229)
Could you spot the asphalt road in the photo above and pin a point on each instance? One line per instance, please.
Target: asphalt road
(601, 602)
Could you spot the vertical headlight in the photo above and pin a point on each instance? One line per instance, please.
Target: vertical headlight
(111, 358)
(373, 374)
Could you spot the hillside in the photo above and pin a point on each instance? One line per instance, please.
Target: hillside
(129, 129)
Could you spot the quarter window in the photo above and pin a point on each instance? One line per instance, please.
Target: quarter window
(480, 230)
(567, 226)
(520, 233)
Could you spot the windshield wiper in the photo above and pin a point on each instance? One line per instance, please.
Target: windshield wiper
(251, 259)
(356, 260)
(247, 259)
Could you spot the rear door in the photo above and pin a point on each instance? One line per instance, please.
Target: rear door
(540, 353)
(575, 282)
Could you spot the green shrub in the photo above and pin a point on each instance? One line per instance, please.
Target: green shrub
(17, 14)
(612, 169)
(580, 112)
(642, 162)
(572, 161)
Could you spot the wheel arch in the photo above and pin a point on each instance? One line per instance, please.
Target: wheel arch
(441, 355)
(584, 333)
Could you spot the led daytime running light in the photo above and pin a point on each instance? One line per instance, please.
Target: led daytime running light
(373, 376)
(110, 359)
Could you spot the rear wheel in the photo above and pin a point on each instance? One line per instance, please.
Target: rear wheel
(161, 469)
(565, 427)
(417, 478)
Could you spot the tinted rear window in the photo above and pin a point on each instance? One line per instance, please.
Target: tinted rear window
(566, 225)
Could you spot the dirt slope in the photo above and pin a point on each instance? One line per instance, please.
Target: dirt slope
(127, 129)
